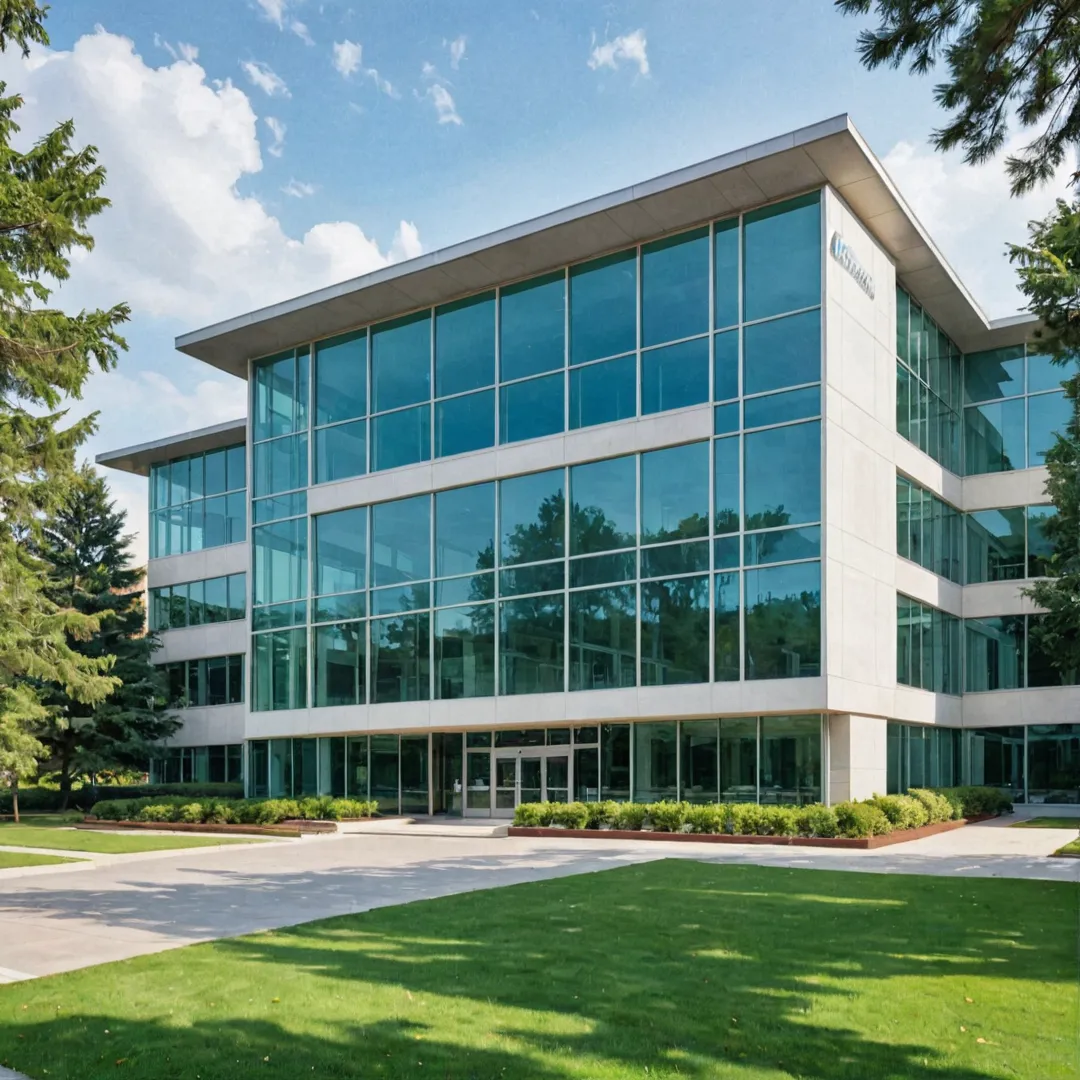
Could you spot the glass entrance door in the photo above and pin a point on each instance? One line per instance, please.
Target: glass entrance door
(535, 776)
(506, 784)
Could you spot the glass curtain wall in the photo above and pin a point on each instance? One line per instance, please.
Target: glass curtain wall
(196, 603)
(927, 647)
(928, 531)
(210, 680)
(1002, 653)
(1008, 544)
(922, 756)
(220, 764)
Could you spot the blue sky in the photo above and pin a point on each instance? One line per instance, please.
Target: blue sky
(261, 148)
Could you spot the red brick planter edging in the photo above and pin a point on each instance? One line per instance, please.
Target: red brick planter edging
(284, 829)
(859, 843)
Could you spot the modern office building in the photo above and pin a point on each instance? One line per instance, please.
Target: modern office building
(720, 487)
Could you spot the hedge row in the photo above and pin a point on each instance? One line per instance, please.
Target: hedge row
(873, 817)
(179, 808)
(49, 799)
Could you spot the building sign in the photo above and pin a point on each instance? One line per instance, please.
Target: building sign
(846, 258)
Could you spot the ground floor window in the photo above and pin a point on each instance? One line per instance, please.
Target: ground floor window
(197, 765)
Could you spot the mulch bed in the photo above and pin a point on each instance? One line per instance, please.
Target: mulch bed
(285, 828)
(859, 843)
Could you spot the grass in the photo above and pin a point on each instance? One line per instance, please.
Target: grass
(104, 843)
(48, 821)
(661, 970)
(10, 859)
(1048, 823)
(1071, 848)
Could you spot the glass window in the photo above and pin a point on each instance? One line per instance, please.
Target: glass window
(995, 545)
(699, 778)
(674, 559)
(272, 507)
(279, 561)
(464, 530)
(464, 424)
(280, 465)
(340, 550)
(1053, 760)
(603, 307)
(603, 638)
(339, 607)
(340, 669)
(465, 652)
(615, 762)
(279, 404)
(341, 378)
(655, 761)
(783, 621)
(400, 663)
(1048, 417)
(726, 272)
(531, 645)
(675, 377)
(235, 517)
(401, 540)
(401, 362)
(780, 408)
(401, 438)
(995, 374)
(782, 257)
(544, 577)
(340, 452)
(996, 758)
(236, 467)
(384, 772)
(738, 759)
(196, 613)
(465, 345)
(280, 676)
(532, 327)
(1044, 374)
(604, 505)
(532, 517)
(237, 595)
(783, 476)
(726, 618)
(1040, 546)
(531, 409)
(783, 545)
(214, 463)
(782, 352)
(994, 651)
(1040, 670)
(675, 493)
(602, 393)
(727, 481)
(726, 366)
(994, 437)
(675, 631)
(675, 287)
(790, 760)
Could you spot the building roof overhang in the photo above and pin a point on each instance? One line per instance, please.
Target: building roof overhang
(138, 459)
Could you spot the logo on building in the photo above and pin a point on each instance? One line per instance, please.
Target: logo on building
(846, 258)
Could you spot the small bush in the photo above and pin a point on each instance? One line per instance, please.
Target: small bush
(340, 809)
(749, 819)
(816, 820)
(527, 815)
(161, 812)
(631, 816)
(902, 811)
(601, 814)
(191, 814)
(861, 819)
(668, 816)
(937, 807)
(274, 811)
(709, 818)
(975, 801)
(781, 820)
(573, 815)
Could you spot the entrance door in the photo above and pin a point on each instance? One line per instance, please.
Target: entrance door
(534, 776)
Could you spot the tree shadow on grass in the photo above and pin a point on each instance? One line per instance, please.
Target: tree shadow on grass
(684, 968)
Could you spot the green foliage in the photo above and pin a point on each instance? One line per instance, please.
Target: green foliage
(631, 816)
(976, 801)
(602, 814)
(668, 816)
(180, 808)
(816, 820)
(749, 819)
(938, 808)
(43, 799)
(528, 815)
(903, 811)
(856, 819)
(708, 818)
(573, 815)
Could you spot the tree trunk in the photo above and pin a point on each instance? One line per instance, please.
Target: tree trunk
(15, 798)
(65, 780)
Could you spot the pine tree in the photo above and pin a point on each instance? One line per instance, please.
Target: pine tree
(90, 570)
(47, 195)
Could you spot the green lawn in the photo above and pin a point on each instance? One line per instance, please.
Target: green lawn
(663, 970)
(1048, 823)
(104, 843)
(11, 859)
(1071, 848)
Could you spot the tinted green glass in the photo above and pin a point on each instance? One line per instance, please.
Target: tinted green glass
(782, 352)
(400, 663)
(726, 553)
(465, 345)
(279, 561)
(699, 779)
(726, 419)
(994, 374)
(602, 393)
(994, 653)
(655, 761)
(195, 465)
(783, 476)
(179, 481)
(603, 307)
(532, 326)
(464, 424)
(902, 301)
(726, 272)
(783, 621)
(542, 577)
(726, 365)
(235, 517)
(603, 498)
(340, 452)
(531, 645)
(675, 287)
(790, 760)
(338, 607)
(783, 407)
(995, 545)
(675, 493)
(279, 395)
(615, 762)
(401, 362)
(464, 530)
(532, 517)
(273, 616)
(531, 409)
(279, 679)
(271, 508)
(671, 559)
(782, 257)
(340, 550)
(601, 569)
(341, 378)
(738, 759)
(465, 590)
(1048, 417)
(237, 595)
(783, 545)
(196, 603)
(236, 467)
(1044, 374)
(1039, 545)
(727, 484)
(994, 437)
(401, 438)
(726, 619)
(215, 477)
(339, 658)
(1053, 763)
(603, 638)
(401, 540)
(1041, 670)
(159, 486)
(280, 465)
(465, 652)
(675, 631)
(675, 376)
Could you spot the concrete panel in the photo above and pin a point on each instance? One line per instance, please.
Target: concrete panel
(1022, 487)
(857, 753)
(198, 565)
(210, 726)
(1000, 708)
(927, 473)
(912, 580)
(924, 707)
(195, 642)
(997, 598)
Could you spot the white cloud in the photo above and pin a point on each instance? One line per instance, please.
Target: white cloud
(277, 130)
(444, 104)
(630, 47)
(457, 50)
(275, 11)
(183, 50)
(348, 57)
(427, 70)
(265, 78)
(301, 31)
(299, 189)
(969, 214)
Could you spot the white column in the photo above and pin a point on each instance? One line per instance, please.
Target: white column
(857, 750)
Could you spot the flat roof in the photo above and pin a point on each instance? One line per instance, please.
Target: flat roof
(138, 459)
(831, 152)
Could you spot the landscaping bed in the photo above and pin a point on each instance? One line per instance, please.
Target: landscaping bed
(234, 815)
(289, 829)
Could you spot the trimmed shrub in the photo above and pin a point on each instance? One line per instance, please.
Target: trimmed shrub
(573, 815)
(709, 818)
(162, 812)
(527, 815)
(975, 801)
(937, 807)
(816, 820)
(781, 820)
(902, 811)
(667, 816)
(749, 819)
(601, 814)
(340, 809)
(190, 814)
(856, 819)
(630, 816)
